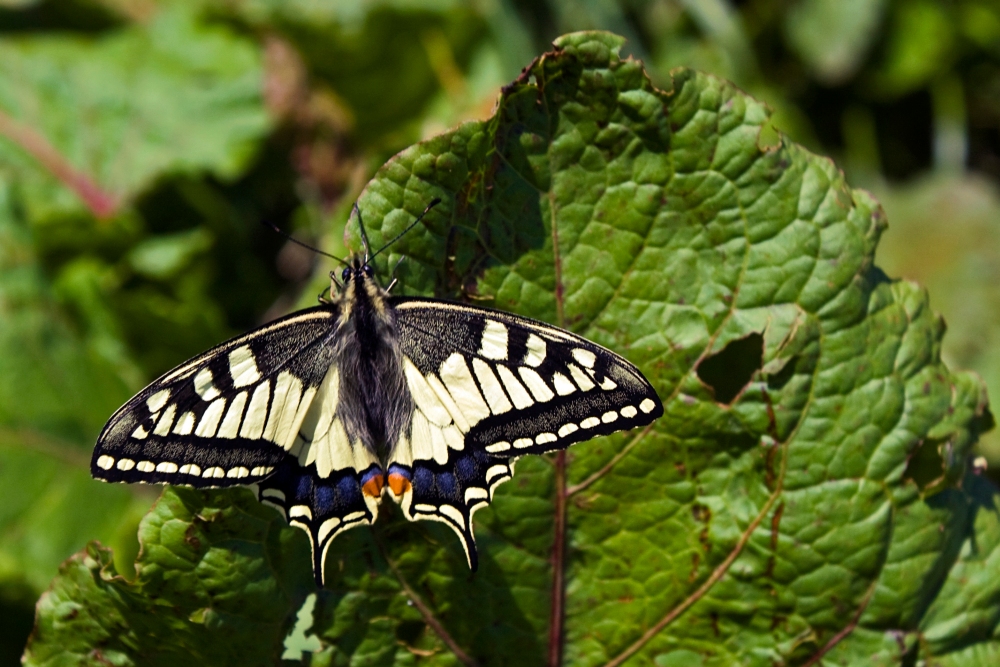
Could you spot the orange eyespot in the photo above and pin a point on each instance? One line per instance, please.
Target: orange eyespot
(373, 487)
(398, 483)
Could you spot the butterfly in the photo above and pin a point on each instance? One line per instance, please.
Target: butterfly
(325, 411)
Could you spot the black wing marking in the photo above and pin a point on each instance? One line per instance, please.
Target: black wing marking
(490, 387)
(225, 417)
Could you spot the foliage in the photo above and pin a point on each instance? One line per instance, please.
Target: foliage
(812, 515)
(142, 143)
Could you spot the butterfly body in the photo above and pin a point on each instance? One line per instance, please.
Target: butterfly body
(368, 353)
(331, 408)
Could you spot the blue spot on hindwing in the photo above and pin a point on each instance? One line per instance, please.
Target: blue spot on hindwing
(396, 469)
(373, 471)
(465, 469)
(349, 490)
(423, 480)
(303, 490)
(446, 485)
(325, 499)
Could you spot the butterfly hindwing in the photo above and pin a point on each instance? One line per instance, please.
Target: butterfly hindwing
(225, 417)
(322, 506)
(489, 387)
(327, 482)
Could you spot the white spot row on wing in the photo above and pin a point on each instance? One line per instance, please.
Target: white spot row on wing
(106, 462)
(570, 428)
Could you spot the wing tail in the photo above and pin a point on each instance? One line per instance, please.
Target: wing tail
(323, 507)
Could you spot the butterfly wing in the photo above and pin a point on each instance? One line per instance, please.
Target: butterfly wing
(226, 417)
(489, 387)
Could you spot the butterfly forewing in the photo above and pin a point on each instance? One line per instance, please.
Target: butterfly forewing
(489, 387)
(225, 417)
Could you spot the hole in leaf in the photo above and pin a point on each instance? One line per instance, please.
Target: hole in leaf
(728, 371)
(776, 381)
(926, 465)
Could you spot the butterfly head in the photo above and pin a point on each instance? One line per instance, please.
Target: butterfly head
(358, 270)
(357, 280)
(358, 291)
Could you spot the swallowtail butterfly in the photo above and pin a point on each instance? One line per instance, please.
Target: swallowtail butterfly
(326, 410)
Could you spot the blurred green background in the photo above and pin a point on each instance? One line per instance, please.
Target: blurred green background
(143, 143)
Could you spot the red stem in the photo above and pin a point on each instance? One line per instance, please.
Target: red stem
(101, 203)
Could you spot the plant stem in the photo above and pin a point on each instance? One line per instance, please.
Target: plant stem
(558, 565)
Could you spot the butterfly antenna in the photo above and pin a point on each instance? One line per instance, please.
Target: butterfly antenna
(364, 234)
(434, 202)
(304, 245)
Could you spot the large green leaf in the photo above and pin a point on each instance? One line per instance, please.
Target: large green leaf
(798, 503)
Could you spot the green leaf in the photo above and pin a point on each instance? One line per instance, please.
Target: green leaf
(106, 116)
(959, 627)
(770, 517)
(921, 43)
(162, 257)
(213, 565)
(92, 122)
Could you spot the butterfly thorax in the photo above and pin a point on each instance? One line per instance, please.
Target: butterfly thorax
(375, 403)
